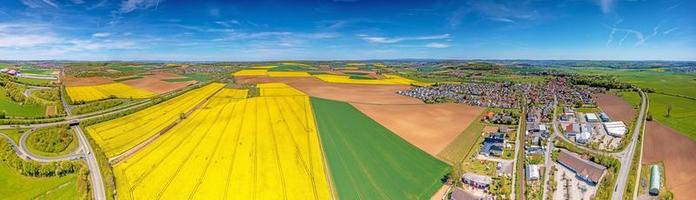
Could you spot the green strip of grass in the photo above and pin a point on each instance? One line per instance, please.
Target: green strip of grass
(16, 186)
(367, 161)
(13, 108)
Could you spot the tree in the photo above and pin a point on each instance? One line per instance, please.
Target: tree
(669, 110)
(649, 117)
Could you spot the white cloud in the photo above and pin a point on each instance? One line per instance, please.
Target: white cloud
(638, 36)
(131, 5)
(101, 35)
(437, 45)
(388, 40)
(77, 1)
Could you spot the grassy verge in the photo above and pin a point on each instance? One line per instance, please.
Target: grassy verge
(519, 165)
(463, 144)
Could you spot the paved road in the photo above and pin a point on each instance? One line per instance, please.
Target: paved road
(75, 155)
(549, 147)
(94, 172)
(627, 154)
(24, 153)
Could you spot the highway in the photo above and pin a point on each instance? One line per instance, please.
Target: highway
(94, 172)
(627, 155)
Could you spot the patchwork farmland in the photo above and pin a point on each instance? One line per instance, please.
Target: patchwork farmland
(119, 135)
(368, 161)
(265, 147)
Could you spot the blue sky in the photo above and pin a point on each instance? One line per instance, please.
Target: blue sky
(346, 29)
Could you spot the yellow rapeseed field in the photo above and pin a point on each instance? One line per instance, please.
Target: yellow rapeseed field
(119, 135)
(104, 91)
(288, 74)
(388, 80)
(251, 72)
(264, 67)
(264, 147)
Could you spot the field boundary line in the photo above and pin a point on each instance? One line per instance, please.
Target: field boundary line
(115, 160)
(327, 170)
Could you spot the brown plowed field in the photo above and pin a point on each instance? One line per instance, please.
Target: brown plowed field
(677, 152)
(430, 127)
(352, 93)
(71, 81)
(615, 107)
(155, 82)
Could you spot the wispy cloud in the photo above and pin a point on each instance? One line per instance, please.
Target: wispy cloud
(131, 5)
(25, 35)
(502, 19)
(637, 35)
(228, 23)
(101, 35)
(437, 45)
(389, 40)
(39, 3)
(670, 30)
(606, 5)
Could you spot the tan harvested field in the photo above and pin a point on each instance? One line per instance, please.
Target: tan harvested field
(155, 82)
(430, 127)
(71, 81)
(50, 110)
(352, 93)
(677, 152)
(617, 108)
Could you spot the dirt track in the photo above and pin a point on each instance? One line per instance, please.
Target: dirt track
(677, 152)
(431, 127)
(616, 107)
(155, 82)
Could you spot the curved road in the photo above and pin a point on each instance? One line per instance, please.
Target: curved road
(25, 154)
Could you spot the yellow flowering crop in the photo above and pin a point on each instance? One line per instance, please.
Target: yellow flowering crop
(265, 147)
(119, 135)
(104, 91)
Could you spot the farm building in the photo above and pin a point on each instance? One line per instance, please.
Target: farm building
(585, 169)
(604, 117)
(460, 194)
(591, 117)
(617, 128)
(655, 180)
(476, 180)
(532, 172)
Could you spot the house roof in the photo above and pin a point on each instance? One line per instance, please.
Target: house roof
(477, 178)
(582, 167)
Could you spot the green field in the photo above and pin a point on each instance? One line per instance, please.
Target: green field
(632, 98)
(34, 81)
(367, 161)
(288, 68)
(13, 108)
(34, 70)
(16, 186)
(683, 115)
